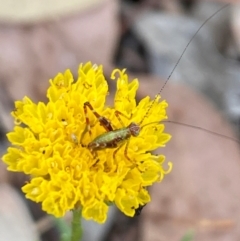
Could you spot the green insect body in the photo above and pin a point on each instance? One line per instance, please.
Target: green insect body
(113, 138)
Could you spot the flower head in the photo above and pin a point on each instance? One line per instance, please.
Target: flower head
(74, 158)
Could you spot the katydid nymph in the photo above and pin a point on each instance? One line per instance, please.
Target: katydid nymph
(115, 138)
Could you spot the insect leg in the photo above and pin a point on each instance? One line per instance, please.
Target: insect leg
(103, 120)
(115, 152)
(87, 118)
(117, 114)
(125, 151)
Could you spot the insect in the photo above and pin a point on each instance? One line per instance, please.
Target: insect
(112, 138)
(116, 138)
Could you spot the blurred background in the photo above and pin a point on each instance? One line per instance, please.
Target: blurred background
(199, 200)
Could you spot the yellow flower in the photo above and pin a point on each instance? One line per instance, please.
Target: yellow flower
(52, 143)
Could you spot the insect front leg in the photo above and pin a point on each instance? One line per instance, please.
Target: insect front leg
(118, 114)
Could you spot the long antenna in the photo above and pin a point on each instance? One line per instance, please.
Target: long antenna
(179, 59)
(202, 129)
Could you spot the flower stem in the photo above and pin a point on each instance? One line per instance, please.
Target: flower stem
(76, 225)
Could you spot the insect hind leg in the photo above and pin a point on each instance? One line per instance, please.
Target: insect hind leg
(102, 120)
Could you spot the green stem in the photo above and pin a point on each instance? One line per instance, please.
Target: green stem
(76, 225)
(63, 228)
